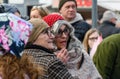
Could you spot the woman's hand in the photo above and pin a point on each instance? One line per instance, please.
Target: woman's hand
(63, 55)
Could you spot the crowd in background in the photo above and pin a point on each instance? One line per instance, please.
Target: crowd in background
(58, 45)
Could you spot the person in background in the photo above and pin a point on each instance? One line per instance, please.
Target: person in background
(10, 8)
(107, 57)
(89, 21)
(91, 37)
(12, 42)
(118, 24)
(1, 9)
(40, 46)
(68, 10)
(38, 12)
(70, 50)
(108, 23)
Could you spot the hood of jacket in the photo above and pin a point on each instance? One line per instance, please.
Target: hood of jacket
(77, 18)
(79, 64)
(73, 41)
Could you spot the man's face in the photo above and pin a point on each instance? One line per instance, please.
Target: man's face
(68, 10)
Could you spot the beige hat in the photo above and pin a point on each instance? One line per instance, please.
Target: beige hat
(108, 15)
(38, 26)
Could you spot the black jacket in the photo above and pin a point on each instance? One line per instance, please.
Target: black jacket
(81, 27)
(108, 28)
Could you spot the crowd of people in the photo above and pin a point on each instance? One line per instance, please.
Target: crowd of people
(57, 45)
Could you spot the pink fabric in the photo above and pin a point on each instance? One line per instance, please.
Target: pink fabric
(0, 77)
(93, 50)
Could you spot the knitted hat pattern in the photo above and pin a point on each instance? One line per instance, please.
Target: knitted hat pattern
(62, 2)
(52, 18)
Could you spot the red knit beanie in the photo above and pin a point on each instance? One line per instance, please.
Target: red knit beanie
(52, 18)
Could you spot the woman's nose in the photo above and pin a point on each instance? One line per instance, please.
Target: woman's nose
(64, 35)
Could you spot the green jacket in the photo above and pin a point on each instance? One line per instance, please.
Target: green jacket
(107, 57)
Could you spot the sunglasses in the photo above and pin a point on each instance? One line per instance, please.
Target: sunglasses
(60, 32)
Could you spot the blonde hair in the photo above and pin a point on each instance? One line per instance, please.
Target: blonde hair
(43, 11)
(38, 26)
(86, 38)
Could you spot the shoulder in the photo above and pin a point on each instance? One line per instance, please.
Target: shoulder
(81, 23)
(108, 47)
(115, 38)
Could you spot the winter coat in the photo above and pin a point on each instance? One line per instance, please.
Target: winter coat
(80, 65)
(108, 28)
(107, 57)
(53, 68)
(80, 26)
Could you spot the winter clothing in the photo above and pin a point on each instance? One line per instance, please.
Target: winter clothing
(14, 33)
(10, 8)
(52, 18)
(62, 2)
(107, 57)
(80, 26)
(108, 15)
(39, 26)
(108, 28)
(53, 68)
(80, 64)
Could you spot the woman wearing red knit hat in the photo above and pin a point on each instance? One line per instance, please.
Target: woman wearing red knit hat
(70, 50)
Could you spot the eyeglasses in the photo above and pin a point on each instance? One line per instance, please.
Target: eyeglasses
(48, 31)
(93, 38)
(60, 32)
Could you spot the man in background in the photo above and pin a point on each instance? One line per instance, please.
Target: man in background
(68, 9)
(107, 26)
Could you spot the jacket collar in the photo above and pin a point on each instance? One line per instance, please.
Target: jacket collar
(109, 23)
(33, 46)
(77, 18)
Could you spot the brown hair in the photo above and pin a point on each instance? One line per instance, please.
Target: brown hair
(88, 33)
(12, 67)
(43, 11)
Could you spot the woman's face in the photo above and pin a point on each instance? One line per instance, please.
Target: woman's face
(92, 39)
(61, 38)
(45, 39)
(35, 14)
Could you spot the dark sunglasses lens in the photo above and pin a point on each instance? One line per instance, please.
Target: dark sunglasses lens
(66, 31)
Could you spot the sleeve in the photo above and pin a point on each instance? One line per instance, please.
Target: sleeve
(105, 57)
(57, 70)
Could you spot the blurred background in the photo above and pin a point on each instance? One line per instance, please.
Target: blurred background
(84, 6)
